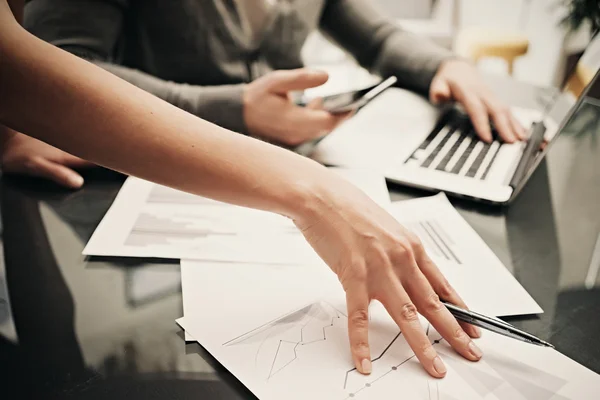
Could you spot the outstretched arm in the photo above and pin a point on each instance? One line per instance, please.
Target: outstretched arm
(92, 29)
(81, 108)
(56, 98)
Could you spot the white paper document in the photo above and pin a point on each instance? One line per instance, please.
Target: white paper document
(466, 261)
(284, 335)
(149, 220)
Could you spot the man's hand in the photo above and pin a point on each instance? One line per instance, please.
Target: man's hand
(22, 154)
(458, 80)
(270, 114)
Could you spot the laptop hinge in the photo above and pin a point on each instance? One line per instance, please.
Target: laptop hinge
(538, 129)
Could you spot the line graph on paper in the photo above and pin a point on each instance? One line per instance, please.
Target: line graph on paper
(309, 347)
(284, 339)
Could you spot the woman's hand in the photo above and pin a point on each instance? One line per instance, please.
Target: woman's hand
(375, 258)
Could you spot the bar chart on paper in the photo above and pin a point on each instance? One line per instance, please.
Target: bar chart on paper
(148, 220)
(195, 219)
(437, 242)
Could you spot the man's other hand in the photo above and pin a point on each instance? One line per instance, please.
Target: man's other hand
(458, 80)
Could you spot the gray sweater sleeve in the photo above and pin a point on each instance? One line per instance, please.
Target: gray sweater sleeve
(91, 29)
(381, 46)
(221, 104)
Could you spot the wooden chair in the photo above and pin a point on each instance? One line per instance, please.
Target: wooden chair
(477, 43)
(579, 80)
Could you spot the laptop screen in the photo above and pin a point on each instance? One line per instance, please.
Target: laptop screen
(577, 102)
(580, 83)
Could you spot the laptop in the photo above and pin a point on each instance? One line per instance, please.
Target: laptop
(435, 148)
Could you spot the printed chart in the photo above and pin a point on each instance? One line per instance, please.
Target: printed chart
(148, 220)
(289, 349)
(437, 242)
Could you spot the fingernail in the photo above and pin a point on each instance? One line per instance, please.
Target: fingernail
(76, 181)
(475, 351)
(366, 366)
(477, 331)
(439, 366)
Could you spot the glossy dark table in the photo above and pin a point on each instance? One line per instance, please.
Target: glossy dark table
(104, 328)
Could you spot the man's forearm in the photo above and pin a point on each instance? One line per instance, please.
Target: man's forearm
(221, 105)
(381, 46)
(76, 106)
(92, 29)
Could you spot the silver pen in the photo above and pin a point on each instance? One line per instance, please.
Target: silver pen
(495, 325)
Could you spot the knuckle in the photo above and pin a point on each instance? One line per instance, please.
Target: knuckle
(402, 251)
(360, 346)
(503, 110)
(32, 163)
(459, 334)
(377, 253)
(359, 319)
(428, 351)
(408, 312)
(433, 303)
(445, 290)
(415, 243)
(352, 273)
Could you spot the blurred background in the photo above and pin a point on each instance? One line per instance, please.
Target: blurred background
(525, 33)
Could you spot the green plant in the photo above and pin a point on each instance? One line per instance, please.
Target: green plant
(580, 11)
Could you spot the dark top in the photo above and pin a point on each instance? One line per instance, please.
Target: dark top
(193, 53)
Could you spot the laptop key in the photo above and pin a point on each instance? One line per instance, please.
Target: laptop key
(489, 167)
(487, 161)
(437, 149)
(450, 154)
(426, 146)
(441, 155)
(465, 156)
(458, 153)
(478, 161)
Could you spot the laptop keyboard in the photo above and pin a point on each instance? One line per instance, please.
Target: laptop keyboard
(455, 148)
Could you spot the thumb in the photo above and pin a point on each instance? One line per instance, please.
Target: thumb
(440, 91)
(284, 81)
(60, 174)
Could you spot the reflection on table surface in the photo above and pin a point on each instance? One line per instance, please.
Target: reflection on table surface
(105, 327)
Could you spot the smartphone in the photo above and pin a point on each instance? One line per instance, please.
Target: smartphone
(345, 102)
(340, 103)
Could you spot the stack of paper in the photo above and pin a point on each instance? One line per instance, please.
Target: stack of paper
(288, 339)
(258, 298)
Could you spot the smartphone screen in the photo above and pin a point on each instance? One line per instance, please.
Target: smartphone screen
(349, 101)
(345, 102)
(342, 100)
